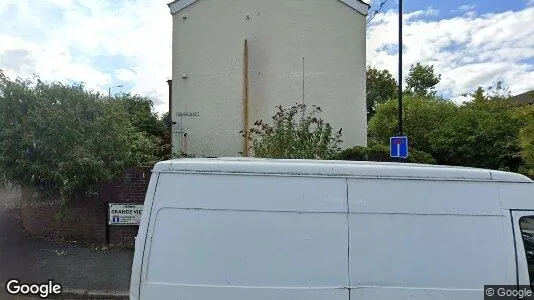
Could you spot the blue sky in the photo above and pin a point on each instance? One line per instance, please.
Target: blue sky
(106, 43)
(452, 8)
(471, 43)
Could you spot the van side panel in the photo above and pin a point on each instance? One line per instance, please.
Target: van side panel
(247, 237)
(436, 241)
(424, 197)
(517, 196)
(245, 248)
(252, 192)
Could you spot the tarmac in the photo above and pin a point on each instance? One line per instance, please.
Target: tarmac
(84, 271)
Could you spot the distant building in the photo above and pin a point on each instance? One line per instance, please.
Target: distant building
(526, 98)
(235, 61)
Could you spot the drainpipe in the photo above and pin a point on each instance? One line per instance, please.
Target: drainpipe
(169, 82)
(246, 146)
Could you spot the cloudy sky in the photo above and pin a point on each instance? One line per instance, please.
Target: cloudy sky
(128, 42)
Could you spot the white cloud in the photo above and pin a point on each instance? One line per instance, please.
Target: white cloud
(466, 7)
(139, 31)
(530, 2)
(125, 75)
(61, 39)
(467, 51)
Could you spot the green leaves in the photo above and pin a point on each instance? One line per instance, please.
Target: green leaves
(378, 152)
(294, 133)
(421, 117)
(485, 133)
(481, 135)
(526, 138)
(64, 139)
(381, 87)
(422, 80)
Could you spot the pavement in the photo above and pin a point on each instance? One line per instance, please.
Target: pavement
(84, 271)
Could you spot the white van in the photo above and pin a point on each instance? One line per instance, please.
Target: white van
(239, 228)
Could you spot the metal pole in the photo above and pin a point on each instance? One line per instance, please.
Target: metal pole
(109, 92)
(400, 67)
(303, 81)
(107, 224)
(303, 103)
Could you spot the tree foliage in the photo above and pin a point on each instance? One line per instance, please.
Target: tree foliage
(481, 135)
(379, 152)
(526, 138)
(381, 87)
(422, 80)
(63, 139)
(421, 117)
(141, 114)
(294, 133)
(496, 92)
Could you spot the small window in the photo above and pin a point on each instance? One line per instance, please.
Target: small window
(527, 232)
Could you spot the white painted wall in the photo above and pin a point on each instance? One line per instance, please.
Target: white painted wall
(208, 38)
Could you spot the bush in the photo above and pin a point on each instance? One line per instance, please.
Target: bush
(378, 152)
(294, 133)
(484, 133)
(63, 139)
(421, 117)
(526, 139)
(481, 134)
(182, 154)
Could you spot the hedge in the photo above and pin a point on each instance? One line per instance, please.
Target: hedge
(379, 152)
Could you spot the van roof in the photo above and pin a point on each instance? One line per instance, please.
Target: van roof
(367, 169)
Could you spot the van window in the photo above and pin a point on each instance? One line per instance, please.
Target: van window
(527, 232)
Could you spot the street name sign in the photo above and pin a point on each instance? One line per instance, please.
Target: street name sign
(124, 214)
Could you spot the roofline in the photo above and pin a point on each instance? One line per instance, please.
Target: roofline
(350, 169)
(357, 5)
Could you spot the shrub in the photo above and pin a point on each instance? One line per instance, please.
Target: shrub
(526, 139)
(294, 133)
(63, 139)
(378, 152)
(421, 117)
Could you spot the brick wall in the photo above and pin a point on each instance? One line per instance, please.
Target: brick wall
(86, 219)
(131, 189)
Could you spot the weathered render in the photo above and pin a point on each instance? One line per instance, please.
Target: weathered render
(322, 39)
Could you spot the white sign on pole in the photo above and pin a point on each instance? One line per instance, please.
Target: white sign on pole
(124, 214)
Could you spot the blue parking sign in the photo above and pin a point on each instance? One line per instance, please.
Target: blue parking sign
(399, 146)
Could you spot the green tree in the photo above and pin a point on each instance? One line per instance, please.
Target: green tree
(381, 87)
(526, 138)
(478, 95)
(63, 139)
(379, 152)
(421, 117)
(141, 113)
(294, 133)
(496, 92)
(482, 134)
(422, 80)
(166, 149)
